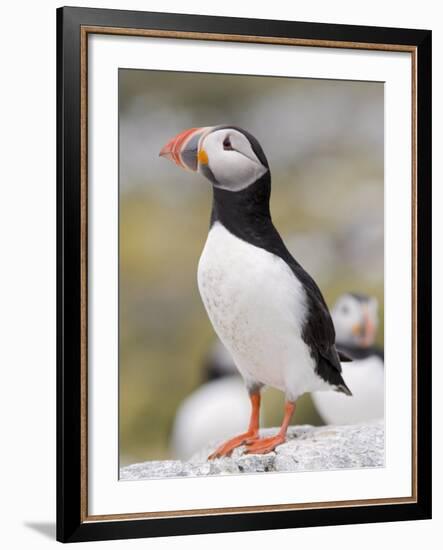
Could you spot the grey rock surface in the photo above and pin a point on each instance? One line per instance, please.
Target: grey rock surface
(307, 448)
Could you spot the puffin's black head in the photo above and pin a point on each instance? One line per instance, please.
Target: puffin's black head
(231, 158)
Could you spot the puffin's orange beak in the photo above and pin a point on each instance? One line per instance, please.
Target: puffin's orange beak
(365, 330)
(183, 149)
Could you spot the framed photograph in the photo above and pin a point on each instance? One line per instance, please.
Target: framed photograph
(186, 287)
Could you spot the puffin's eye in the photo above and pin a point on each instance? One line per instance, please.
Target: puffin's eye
(345, 309)
(227, 144)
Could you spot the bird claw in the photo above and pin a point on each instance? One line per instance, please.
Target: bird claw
(265, 445)
(226, 448)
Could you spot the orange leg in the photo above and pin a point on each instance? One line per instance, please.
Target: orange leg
(268, 444)
(226, 448)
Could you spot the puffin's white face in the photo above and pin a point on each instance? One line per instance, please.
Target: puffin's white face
(228, 157)
(355, 320)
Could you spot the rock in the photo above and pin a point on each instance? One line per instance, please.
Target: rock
(307, 448)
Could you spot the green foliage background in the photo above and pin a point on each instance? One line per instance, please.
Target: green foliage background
(324, 143)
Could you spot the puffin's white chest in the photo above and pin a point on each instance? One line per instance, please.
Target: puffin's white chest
(257, 307)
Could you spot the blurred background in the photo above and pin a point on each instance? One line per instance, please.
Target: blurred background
(324, 143)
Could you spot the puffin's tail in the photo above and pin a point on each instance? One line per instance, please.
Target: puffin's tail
(344, 357)
(343, 388)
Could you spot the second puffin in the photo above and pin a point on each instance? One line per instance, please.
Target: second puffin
(265, 308)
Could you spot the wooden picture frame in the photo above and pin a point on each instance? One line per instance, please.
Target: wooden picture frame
(74, 25)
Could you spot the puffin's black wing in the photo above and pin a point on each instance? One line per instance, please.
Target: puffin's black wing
(319, 334)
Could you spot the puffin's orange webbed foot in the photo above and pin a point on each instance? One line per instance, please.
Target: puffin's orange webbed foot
(268, 444)
(250, 435)
(265, 445)
(226, 448)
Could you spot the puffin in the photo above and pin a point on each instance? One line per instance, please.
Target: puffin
(213, 411)
(355, 317)
(265, 308)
